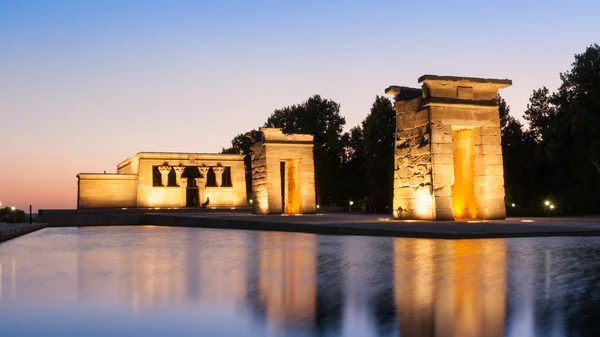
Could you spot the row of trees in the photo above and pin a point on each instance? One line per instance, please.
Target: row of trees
(557, 157)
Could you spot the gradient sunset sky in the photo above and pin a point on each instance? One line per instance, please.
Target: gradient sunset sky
(86, 84)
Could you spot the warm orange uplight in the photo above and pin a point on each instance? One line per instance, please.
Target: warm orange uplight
(464, 205)
(292, 187)
(423, 203)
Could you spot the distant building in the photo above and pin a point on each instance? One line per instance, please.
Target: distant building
(167, 179)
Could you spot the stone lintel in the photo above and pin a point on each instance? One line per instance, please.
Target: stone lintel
(499, 82)
(457, 90)
(106, 176)
(455, 102)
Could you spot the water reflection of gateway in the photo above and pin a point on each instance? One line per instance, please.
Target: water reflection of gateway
(450, 288)
(287, 277)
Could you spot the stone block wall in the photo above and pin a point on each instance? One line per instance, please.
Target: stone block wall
(412, 158)
(448, 130)
(271, 147)
(106, 190)
(260, 196)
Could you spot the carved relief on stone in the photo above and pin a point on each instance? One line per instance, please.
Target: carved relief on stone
(218, 170)
(178, 172)
(164, 169)
(203, 170)
(164, 174)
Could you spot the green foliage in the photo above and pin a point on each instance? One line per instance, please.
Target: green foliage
(9, 216)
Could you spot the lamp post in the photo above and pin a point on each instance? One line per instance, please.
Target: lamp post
(351, 203)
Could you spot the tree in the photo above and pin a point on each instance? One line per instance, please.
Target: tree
(565, 127)
(517, 153)
(579, 98)
(240, 144)
(321, 118)
(353, 177)
(8, 215)
(379, 133)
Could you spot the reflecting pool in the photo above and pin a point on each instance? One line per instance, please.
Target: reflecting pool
(161, 281)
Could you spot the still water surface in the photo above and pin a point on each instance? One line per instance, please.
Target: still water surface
(158, 281)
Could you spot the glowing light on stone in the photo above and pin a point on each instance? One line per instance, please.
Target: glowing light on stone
(464, 205)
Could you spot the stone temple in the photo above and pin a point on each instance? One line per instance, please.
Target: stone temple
(448, 154)
(167, 179)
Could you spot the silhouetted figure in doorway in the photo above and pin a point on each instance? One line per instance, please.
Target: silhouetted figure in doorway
(206, 203)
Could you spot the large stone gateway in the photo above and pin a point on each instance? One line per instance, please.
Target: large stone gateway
(448, 155)
(283, 172)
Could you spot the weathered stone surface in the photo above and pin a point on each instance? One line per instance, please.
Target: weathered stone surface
(491, 159)
(442, 190)
(493, 170)
(441, 158)
(445, 148)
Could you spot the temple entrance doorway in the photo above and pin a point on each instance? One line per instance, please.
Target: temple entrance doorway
(191, 195)
(464, 205)
(290, 191)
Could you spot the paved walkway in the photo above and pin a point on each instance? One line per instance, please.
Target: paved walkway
(379, 225)
(10, 231)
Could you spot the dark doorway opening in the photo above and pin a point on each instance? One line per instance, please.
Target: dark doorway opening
(191, 195)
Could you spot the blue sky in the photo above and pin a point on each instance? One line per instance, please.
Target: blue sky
(86, 84)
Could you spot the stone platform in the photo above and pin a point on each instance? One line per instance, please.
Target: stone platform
(333, 224)
(10, 231)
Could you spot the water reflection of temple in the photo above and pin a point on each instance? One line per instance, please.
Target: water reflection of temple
(287, 274)
(164, 270)
(450, 288)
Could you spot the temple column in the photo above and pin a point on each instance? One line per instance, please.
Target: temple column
(164, 174)
(183, 190)
(201, 183)
(218, 170)
(178, 173)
